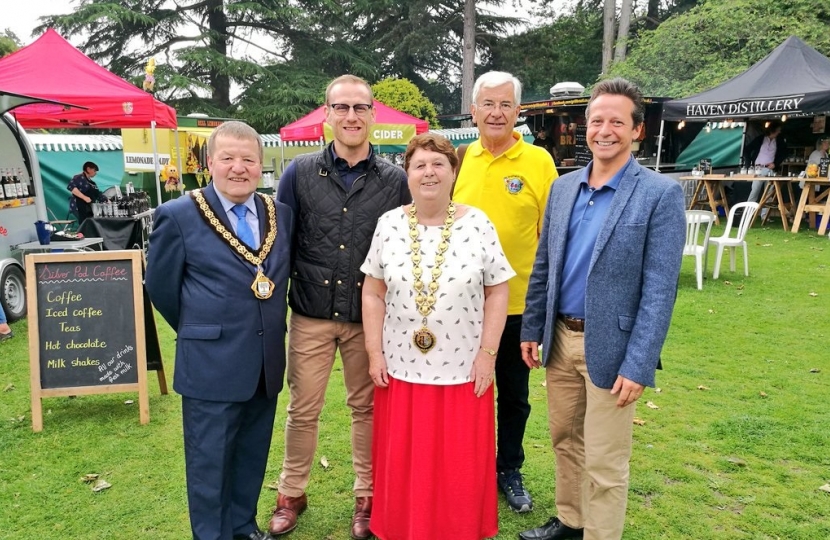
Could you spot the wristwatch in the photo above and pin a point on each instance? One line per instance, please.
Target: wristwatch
(491, 352)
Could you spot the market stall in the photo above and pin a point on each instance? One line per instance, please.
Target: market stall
(51, 68)
(792, 81)
(60, 157)
(390, 133)
(791, 84)
(469, 135)
(562, 118)
(182, 154)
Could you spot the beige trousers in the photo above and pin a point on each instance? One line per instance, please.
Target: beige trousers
(592, 442)
(311, 350)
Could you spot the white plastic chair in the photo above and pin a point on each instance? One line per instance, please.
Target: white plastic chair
(724, 241)
(695, 219)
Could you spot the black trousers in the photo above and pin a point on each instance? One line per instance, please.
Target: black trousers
(512, 406)
(84, 210)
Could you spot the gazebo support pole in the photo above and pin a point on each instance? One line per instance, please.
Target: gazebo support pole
(178, 153)
(156, 160)
(659, 146)
(743, 142)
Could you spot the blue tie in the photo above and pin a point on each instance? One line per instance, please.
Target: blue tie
(243, 230)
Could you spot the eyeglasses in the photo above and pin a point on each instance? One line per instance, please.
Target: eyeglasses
(342, 109)
(505, 106)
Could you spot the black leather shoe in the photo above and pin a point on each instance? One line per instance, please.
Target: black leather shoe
(552, 530)
(256, 535)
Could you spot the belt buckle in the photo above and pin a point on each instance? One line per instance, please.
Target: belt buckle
(573, 324)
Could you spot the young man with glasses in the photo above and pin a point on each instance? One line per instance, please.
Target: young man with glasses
(509, 179)
(337, 195)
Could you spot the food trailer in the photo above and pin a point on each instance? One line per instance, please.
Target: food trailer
(563, 120)
(21, 204)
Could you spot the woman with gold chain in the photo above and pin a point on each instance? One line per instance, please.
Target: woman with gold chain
(434, 307)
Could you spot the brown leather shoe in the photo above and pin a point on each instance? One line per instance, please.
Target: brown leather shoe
(284, 519)
(360, 520)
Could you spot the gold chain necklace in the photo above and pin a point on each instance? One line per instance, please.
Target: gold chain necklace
(423, 338)
(262, 286)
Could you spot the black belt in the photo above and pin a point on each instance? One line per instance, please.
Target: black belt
(572, 323)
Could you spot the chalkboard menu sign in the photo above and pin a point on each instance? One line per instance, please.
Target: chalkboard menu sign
(582, 155)
(824, 168)
(705, 166)
(86, 326)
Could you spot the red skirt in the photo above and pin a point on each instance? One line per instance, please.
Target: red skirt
(434, 463)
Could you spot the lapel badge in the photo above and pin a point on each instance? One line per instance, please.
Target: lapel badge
(514, 184)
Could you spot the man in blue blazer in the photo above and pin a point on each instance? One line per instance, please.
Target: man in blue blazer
(600, 301)
(218, 273)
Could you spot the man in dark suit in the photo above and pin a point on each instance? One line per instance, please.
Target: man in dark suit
(600, 299)
(218, 273)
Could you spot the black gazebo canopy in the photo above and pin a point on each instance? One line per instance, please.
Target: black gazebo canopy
(794, 79)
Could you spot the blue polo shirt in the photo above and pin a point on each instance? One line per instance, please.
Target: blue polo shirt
(587, 218)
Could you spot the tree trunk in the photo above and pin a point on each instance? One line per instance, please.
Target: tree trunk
(217, 22)
(653, 14)
(468, 58)
(622, 33)
(608, 20)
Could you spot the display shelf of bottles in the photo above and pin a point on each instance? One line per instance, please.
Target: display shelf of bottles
(792, 168)
(16, 203)
(125, 207)
(15, 187)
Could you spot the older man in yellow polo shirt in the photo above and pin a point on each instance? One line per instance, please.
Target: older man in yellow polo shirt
(509, 180)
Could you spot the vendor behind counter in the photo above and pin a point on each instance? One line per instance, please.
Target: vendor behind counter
(794, 140)
(84, 191)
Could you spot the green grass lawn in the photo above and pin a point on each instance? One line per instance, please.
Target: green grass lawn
(738, 447)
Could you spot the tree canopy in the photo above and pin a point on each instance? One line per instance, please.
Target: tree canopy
(8, 42)
(567, 49)
(284, 50)
(268, 61)
(716, 40)
(403, 95)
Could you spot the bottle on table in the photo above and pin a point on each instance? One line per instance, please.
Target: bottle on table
(8, 186)
(24, 180)
(18, 186)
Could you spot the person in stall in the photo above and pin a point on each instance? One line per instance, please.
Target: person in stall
(542, 139)
(768, 151)
(822, 145)
(84, 192)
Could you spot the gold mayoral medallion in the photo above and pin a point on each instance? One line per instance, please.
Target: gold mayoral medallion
(423, 338)
(262, 286)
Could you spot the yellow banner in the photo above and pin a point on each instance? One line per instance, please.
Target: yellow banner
(383, 133)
